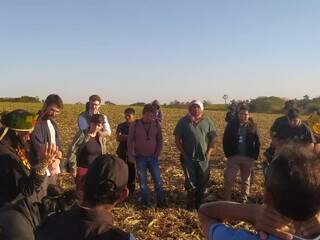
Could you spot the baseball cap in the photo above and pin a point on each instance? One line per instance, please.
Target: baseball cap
(108, 174)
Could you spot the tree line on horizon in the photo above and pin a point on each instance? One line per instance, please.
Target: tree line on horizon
(262, 104)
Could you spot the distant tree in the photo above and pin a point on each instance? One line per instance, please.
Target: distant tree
(225, 98)
(138, 104)
(109, 103)
(260, 105)
(306, 98)
(175, 102)
(25, 99)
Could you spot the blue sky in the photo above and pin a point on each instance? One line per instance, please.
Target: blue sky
(132, 50)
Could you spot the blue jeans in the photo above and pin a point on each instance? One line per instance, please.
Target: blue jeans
(151, 163)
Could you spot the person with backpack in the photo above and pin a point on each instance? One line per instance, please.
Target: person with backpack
(144, 147)
(93, 107)
(87, 145)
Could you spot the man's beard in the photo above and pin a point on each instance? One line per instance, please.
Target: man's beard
(47, 117)
(22, 143)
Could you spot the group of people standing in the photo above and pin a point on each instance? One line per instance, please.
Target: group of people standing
(31, 158)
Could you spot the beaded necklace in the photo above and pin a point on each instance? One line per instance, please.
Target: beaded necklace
(22, 154)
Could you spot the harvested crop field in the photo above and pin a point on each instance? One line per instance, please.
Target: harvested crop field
(175, 222)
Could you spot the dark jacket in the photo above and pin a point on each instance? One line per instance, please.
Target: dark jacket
(81, 224)
(231, 139)
(20, 220)
(16, 180)
(79, 141)
(41, 136)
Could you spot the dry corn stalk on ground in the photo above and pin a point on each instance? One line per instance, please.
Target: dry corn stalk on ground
(174, 222)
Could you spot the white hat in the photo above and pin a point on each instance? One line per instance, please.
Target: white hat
(197, 102)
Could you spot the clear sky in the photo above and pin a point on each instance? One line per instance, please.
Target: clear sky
(133, 50)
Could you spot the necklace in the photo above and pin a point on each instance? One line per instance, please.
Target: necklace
(146, 129)
(22, 154)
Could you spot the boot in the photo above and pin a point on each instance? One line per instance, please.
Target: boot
(191, 200)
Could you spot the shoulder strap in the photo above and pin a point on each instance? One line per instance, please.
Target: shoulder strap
(86, 116)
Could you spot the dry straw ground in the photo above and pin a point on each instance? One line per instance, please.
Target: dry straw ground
(174, 222)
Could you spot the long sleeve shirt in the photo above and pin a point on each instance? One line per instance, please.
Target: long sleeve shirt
(144, 139)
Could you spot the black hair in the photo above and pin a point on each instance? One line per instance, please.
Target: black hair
(95, 97)
(293, 113)
(293, 180)
(129, 111)
(97, 118)
(54, 99)
(148, 108)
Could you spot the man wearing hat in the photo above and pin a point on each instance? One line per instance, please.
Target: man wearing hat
(194, 137)
(18, 179)
(105, 187)
(295, 130)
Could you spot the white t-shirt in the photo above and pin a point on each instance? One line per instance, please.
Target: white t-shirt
(52, 132)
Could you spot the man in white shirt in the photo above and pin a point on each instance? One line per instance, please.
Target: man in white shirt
(93, 107)
(46, 131)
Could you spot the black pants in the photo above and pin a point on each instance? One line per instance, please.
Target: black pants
(132, 177)
(132, 173)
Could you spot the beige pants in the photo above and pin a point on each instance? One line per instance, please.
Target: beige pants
(235, 163)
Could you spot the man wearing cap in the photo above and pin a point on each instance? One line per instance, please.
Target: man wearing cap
(194, 137)
(93, 107)
(295, 130)
(18, 179)
(105, 187)
(46, 131)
